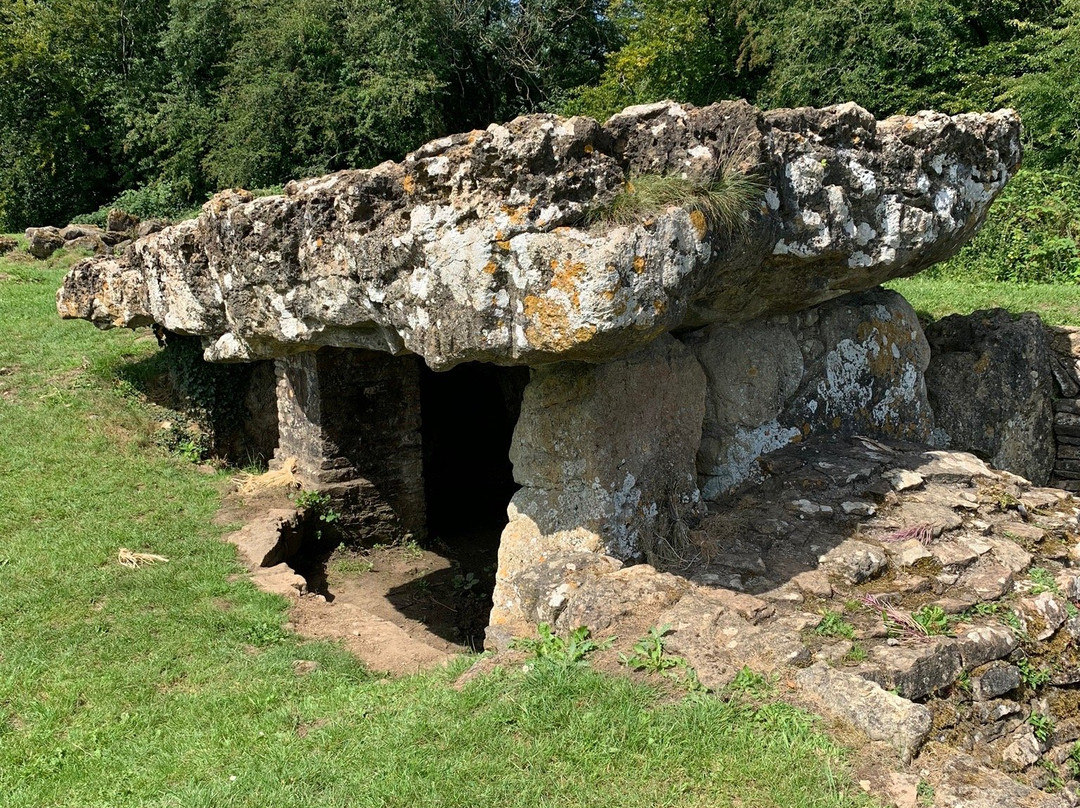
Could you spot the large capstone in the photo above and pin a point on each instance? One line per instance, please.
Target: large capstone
(493, 246)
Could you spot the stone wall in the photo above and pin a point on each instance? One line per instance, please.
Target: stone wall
(1064, 344)
(351, 418)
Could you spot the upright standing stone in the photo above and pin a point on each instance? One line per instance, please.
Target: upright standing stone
(606, 458)
(991, 389)
(853, 366)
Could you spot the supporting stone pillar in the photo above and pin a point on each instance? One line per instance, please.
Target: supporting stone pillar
(606, 458)
(351, 419)
(991, 387)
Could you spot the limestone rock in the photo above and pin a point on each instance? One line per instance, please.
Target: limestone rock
(77, 231)
(604, 600)
(853, 365)
(271, 539)
(984, 644)
(883, 716)
(990, 387)
(987, 580)
(605, 457)
(119, 221)
(857, 561)
(475, 247)
(41, 242)
(1044, 614)
(966, 784)
(915, 671)
(994, 680)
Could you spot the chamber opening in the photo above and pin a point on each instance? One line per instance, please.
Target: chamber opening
(468, 416)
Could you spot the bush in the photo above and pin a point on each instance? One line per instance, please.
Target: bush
(156, 200)
(1032, 234)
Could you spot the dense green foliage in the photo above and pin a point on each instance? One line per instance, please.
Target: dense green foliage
(168, 101)
(180, 98)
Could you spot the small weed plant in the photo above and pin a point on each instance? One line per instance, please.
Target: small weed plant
(924, 794)
(1055, 782)
(318, 503)
(833, 624)
(552, 650)
(899, 623)
(1043, 581)
(856, 655)
(467, 584)
(750, 683)
(933, 619)
(1042, 726)
(649, 655)
(1032, 676)
(1073, 761)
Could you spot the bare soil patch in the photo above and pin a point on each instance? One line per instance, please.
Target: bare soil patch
(399, 608)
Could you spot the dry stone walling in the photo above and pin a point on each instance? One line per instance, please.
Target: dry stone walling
(667, 354)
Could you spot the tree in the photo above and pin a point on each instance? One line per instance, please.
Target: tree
(673, 49)
(73, 76)
(319, 85)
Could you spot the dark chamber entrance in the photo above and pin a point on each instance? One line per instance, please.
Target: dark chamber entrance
(468, 416)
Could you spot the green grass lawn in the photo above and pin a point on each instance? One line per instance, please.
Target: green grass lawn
(934, 298)
(174, 685)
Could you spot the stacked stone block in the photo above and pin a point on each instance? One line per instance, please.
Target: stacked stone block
(1064, 346)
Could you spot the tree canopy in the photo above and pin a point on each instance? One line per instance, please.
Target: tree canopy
(174, 99)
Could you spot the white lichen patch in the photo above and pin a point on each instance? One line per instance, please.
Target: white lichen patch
(738, 461)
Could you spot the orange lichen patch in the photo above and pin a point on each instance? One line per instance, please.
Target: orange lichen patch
(589, 148)
(318, 242)
(659, 306)
(609, 294)
(639, 264)
(701, 226)
(408, 184)
(548, 325)
(886, 333)
(566, 279)
(585, 333)
(491, 267)
(503, 245)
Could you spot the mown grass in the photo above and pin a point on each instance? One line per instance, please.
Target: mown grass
(174, 685)
(937, 297)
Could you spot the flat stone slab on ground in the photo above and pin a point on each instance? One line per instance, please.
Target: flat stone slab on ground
(883, 716)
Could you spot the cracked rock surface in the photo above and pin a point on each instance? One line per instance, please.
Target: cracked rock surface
(478, 246)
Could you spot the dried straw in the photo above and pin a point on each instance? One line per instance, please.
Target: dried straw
(133, 560)
(283, 477)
